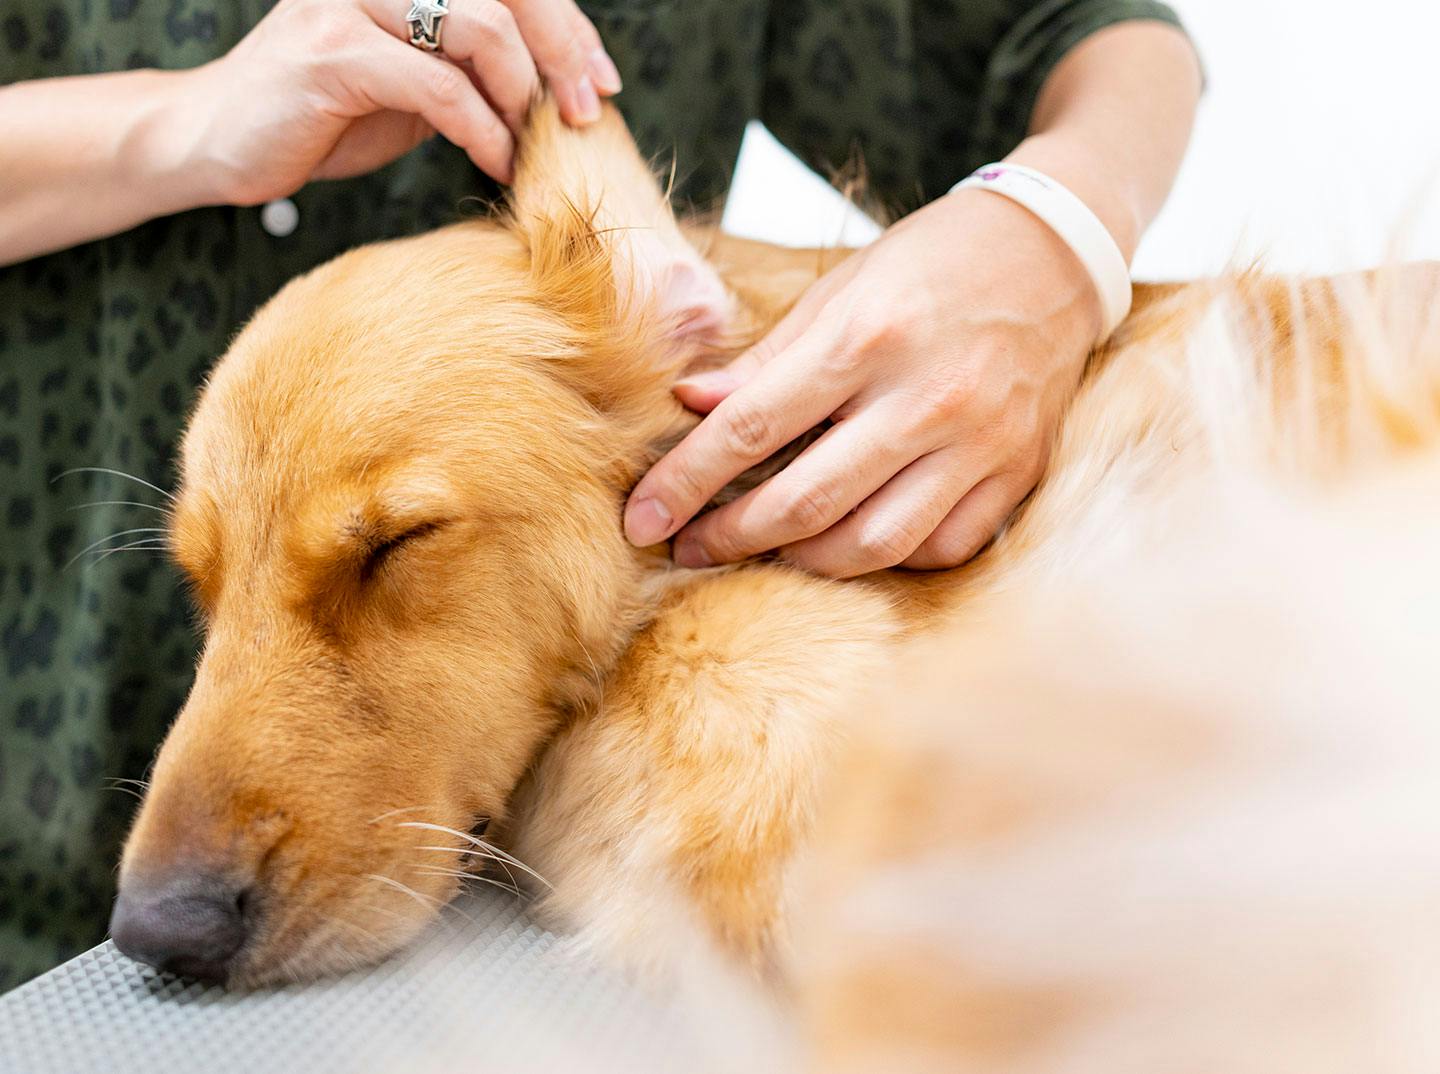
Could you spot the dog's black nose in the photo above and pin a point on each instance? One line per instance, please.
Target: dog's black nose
(192, 926)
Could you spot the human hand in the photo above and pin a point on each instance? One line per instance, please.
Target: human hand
(327, 89)
(944, 355)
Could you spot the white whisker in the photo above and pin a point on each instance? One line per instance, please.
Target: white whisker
(146, 544)
(461, 850)
(597, 680)
(115, 473)
(427, 901)
(110, 537)
(477, 842)
(396, 812)
(461, 874)
(119, 503)
(122, 783)
(390, 911)
(365, 933)
(483, 854)
(144, 785)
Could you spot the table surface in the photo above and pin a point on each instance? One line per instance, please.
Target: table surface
(485, 990)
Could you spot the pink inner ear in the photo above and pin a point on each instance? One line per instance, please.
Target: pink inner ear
(694, 296)
(685, 290)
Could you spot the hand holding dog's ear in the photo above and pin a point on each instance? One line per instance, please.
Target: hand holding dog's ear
(328, 90)
(568, 54)
(943, 355)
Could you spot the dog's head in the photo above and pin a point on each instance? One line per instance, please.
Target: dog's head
(399, 513)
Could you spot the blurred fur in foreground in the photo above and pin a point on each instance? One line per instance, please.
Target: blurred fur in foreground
(1170, 801)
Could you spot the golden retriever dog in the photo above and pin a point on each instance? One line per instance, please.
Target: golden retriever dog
(429, 649)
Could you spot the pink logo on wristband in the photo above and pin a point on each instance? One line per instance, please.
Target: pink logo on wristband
(1075, 223)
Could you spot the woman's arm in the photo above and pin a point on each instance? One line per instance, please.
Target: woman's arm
(319, 89)
(94, 155)
(1113, 120)
(944, 353)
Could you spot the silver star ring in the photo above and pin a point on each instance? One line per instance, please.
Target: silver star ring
(425, 18)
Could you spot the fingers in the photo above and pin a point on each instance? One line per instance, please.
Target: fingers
(892, 524)
(372, 141)
(817, 490)
(408, 80)
(703, 392)
(568, 52)
(485, 35)
(747, 427)
(488, 39)
(969, 526)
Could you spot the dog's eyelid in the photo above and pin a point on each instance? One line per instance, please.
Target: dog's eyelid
(382, 546)
(410, 531)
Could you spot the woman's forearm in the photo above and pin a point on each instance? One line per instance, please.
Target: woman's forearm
(1113, 120)
(94, 155)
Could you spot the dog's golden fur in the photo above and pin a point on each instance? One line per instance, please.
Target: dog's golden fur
(399, 510)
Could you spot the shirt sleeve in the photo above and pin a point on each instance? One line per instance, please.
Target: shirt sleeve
(1038, 39)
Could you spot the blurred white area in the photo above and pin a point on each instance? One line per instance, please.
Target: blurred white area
(1317, 147)
(775, 197)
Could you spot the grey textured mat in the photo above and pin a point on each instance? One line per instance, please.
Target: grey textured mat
(492, 993)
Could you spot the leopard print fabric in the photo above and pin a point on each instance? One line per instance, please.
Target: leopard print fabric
(103, 346)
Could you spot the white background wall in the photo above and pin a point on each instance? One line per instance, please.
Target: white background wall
(1317, 147)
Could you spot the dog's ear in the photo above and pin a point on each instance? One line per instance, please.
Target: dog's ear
(602, 237)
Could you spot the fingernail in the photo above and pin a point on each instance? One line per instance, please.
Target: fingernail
(692, 554)
(647, 522)
(604, 73)
(587, 102)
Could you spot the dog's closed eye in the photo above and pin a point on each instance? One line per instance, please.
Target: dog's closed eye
(384, 548)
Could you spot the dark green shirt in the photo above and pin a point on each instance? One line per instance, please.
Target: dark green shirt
(102, 346)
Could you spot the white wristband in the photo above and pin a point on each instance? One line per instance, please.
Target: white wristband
(1073, 221)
